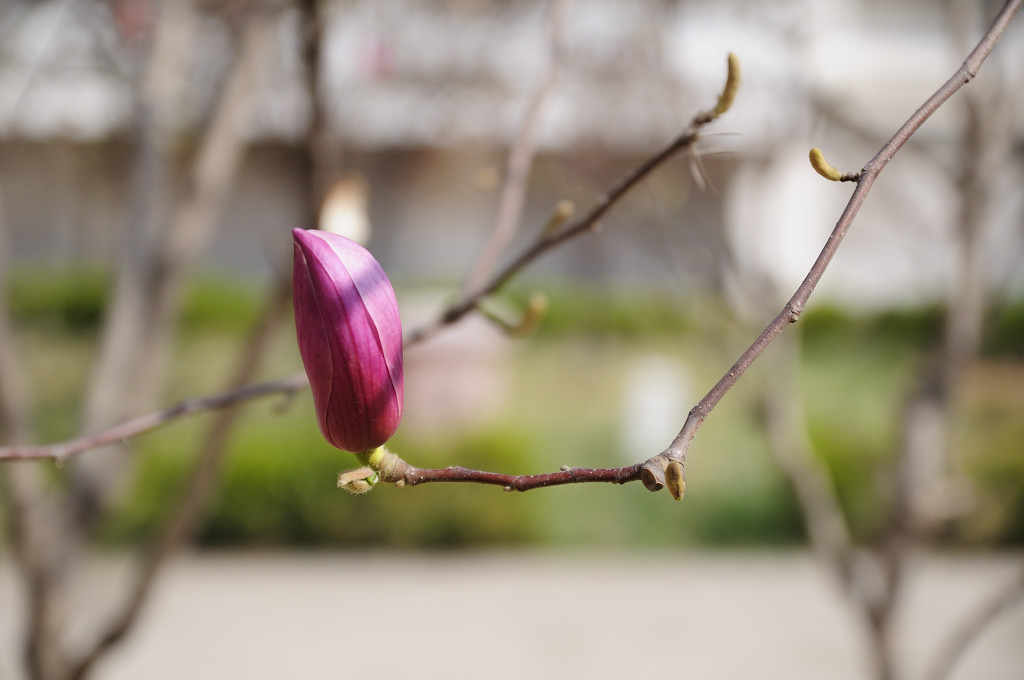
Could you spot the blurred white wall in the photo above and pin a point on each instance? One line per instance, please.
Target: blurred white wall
(423, 97)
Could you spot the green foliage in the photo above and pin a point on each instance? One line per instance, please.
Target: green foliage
(75, 300)
(854, 419)
(762, 514)
(221, 303)
(278, 477)
(278, 488)
(989, 447)
(72, 300)
(600, 311)
(919, 328)
(1005, 336)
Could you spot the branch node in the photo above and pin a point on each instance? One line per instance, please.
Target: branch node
(652, 473)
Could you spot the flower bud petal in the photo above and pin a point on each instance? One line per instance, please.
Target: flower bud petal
(350, 339)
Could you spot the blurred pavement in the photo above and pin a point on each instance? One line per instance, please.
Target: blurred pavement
(537, 615)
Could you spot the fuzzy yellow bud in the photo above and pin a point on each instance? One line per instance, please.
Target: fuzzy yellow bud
(674, 479)
(732, 84)
(823, 167)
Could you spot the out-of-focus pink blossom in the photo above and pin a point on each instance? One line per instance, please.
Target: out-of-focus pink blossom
(350, 339)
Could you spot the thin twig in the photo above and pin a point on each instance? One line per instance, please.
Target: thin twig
(64, 450)
(382, 465)
(566, 475)
(586, 222)
(654, 468)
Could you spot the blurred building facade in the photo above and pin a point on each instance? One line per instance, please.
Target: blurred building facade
(423, 98)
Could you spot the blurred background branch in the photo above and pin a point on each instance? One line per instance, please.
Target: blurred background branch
(157, 256)
(512, 198)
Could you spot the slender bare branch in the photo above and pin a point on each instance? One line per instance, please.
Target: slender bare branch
(654, 468)
(382, 465)
(588, 221)
(132, 428)
(566, 475)
(547, 242)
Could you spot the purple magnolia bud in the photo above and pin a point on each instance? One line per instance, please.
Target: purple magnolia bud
(350, 339)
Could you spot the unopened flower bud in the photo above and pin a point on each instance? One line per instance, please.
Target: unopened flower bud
(350, 339)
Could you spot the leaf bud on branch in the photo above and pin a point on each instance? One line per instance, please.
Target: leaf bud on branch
(829, 171)
(732, 85)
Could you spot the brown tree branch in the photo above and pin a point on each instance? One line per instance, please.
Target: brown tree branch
(68, 449)
(414, 476)
(654, 468)
(384, 466)
(547, 241)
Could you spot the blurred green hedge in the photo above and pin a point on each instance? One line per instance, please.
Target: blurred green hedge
(278, 477)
